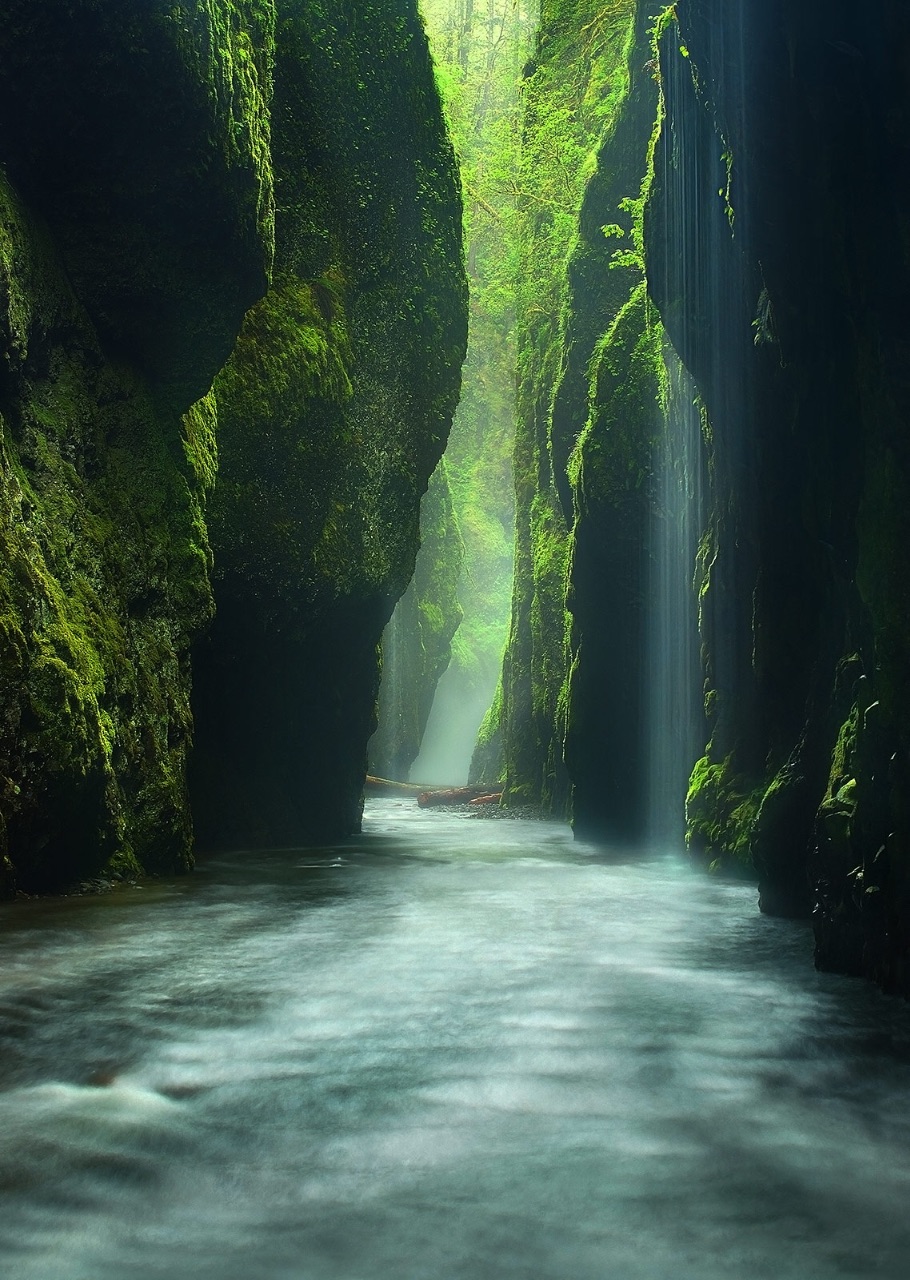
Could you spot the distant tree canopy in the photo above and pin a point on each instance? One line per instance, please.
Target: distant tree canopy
(480, 48)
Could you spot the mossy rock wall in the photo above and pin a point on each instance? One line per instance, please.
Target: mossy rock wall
(795, 328)
(137, 232)
(575, 81)
(140, 134)
(773, 247)
(332, 414)
(117, 307)
(608, 416)
(606, 730)
(417, 643)
(574, 701)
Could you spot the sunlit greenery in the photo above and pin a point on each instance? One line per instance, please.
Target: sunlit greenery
(480, 50)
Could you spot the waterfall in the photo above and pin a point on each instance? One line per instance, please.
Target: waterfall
(674, 701)
(448, 742)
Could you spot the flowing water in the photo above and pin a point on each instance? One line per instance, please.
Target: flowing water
(450, 1048)
(675, 717)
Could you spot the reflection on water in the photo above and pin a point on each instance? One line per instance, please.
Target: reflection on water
(453, 1048)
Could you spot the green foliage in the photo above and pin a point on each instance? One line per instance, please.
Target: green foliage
(721, 810)
(575, 83)
(105, 585)
(478, 53)
(580, 76)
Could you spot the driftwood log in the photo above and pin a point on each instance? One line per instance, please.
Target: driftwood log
(450, 795)
(432, 797)
(387, 787)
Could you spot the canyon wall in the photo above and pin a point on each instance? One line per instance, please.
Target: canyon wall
(573, 86)
(737, 269)
(136, 229)
(225, 229)
(333, 413)
(795, 330)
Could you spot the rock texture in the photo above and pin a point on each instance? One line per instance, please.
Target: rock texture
(333, 412)
(573, 86)
(607, 418)
(117, 307)
(145, 149)
(762, 242)
(797, 336)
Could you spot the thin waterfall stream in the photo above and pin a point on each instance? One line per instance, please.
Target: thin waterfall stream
(450, 1048)
(676, 719)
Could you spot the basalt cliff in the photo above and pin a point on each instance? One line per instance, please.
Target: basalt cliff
(233, 315)
(722, 378)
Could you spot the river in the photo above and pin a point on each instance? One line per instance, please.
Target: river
(451, 1048)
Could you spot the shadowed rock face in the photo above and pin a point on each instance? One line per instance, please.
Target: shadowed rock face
(606, 420)
(137, 229)
(140, 133)
(798, 340)
(117, 311)
(775, 260)
(333, 412)
(417, 643)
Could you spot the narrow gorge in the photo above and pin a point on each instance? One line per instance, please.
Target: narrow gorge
(234, 313)
(504, 400)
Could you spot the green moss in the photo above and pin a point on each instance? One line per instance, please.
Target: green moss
(550, 548)
(567, 101)
(488, 764)
(333, 411)
(294, 345)
(328, 420)
(582, 260)
(104, 586)
(147, 150)
(200, 440)
(842, 758)
(721, 810)
(161, 214)
(613, 455)
(229, 45)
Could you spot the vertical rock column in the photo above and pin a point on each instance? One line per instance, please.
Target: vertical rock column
(800, 353)
(135, 231)
(333, 411)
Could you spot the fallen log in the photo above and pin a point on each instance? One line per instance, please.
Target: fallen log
(494, 797)
(388, 787)
(449, 796)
